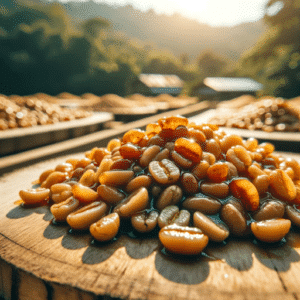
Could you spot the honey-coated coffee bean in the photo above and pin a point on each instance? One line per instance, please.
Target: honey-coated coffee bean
(272, 209)
(33, 196)
(171, 214)
(135, 202)
(106, 228)
(110, 194)
(61, 210)
(144, 221)
(164, 172)
(234, 217)
(205, 205)
(183, 239)
(271, 231)
(215, 232)
(170, 196)
(82, 218)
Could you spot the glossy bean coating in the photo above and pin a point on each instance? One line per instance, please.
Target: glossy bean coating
(130, 151)
(138, 182)
(172, 122)
(121, 164)
(98, 154)
(53, 178)
(239, 157)
(282, 186)
(163, 154)
(244, 190)
(271, 231)
(109, 194)
(251, 144)
(272, 209)
(148, 155)
(61, 210)
(255, 171)
(261, 183)
(200, 170)
(170, 196)
(164, 172)
(233, 216)
(219, 190)
(60, 192)
(116, 178)
(87, 178)
(209, 157)
(64, 167)
(295, 165)
(189, 183)
(104, 166)
(113, 144)
(183, 239)
(232, 170)
(133, 136)
(82, 163)
(106, 228)
(215, 232)
(196, 135)
(213, 147)
(44, 175)
(33, 196)
(84, 194)
(181, 161)
(188, 149)
(293, 214)
(135, 202)
(218, 172)
(171, 214)
(205, 205)
(230, 140)
(144, 221)
(82, 218)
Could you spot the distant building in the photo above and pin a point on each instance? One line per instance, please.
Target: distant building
(156, 84)
(225, 88)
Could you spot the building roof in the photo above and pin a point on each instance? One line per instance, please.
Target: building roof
(161, 81)
(232, 84)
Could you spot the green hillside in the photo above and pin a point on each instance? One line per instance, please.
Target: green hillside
(175, 33)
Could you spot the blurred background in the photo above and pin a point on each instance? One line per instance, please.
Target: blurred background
(102, 47)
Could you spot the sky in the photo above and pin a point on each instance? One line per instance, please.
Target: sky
(212, 12)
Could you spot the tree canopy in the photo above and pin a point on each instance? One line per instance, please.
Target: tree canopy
(275, 58)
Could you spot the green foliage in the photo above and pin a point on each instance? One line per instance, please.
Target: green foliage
(42, 50)
(275, 59)
(210, 63)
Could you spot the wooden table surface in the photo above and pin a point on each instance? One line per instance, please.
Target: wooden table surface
(39, 260)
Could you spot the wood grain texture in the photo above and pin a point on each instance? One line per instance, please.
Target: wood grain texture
(39, 260)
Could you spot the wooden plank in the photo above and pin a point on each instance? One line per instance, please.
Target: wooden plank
(5, 279)
(283, 141)
(22, 139)
(87, 142)
(61, 263)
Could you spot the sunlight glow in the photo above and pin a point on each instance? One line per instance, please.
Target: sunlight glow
(213, 12)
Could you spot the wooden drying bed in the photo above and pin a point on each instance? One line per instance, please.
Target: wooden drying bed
(89, 141)
(283, 141)
(39, 260)
(21, 139)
